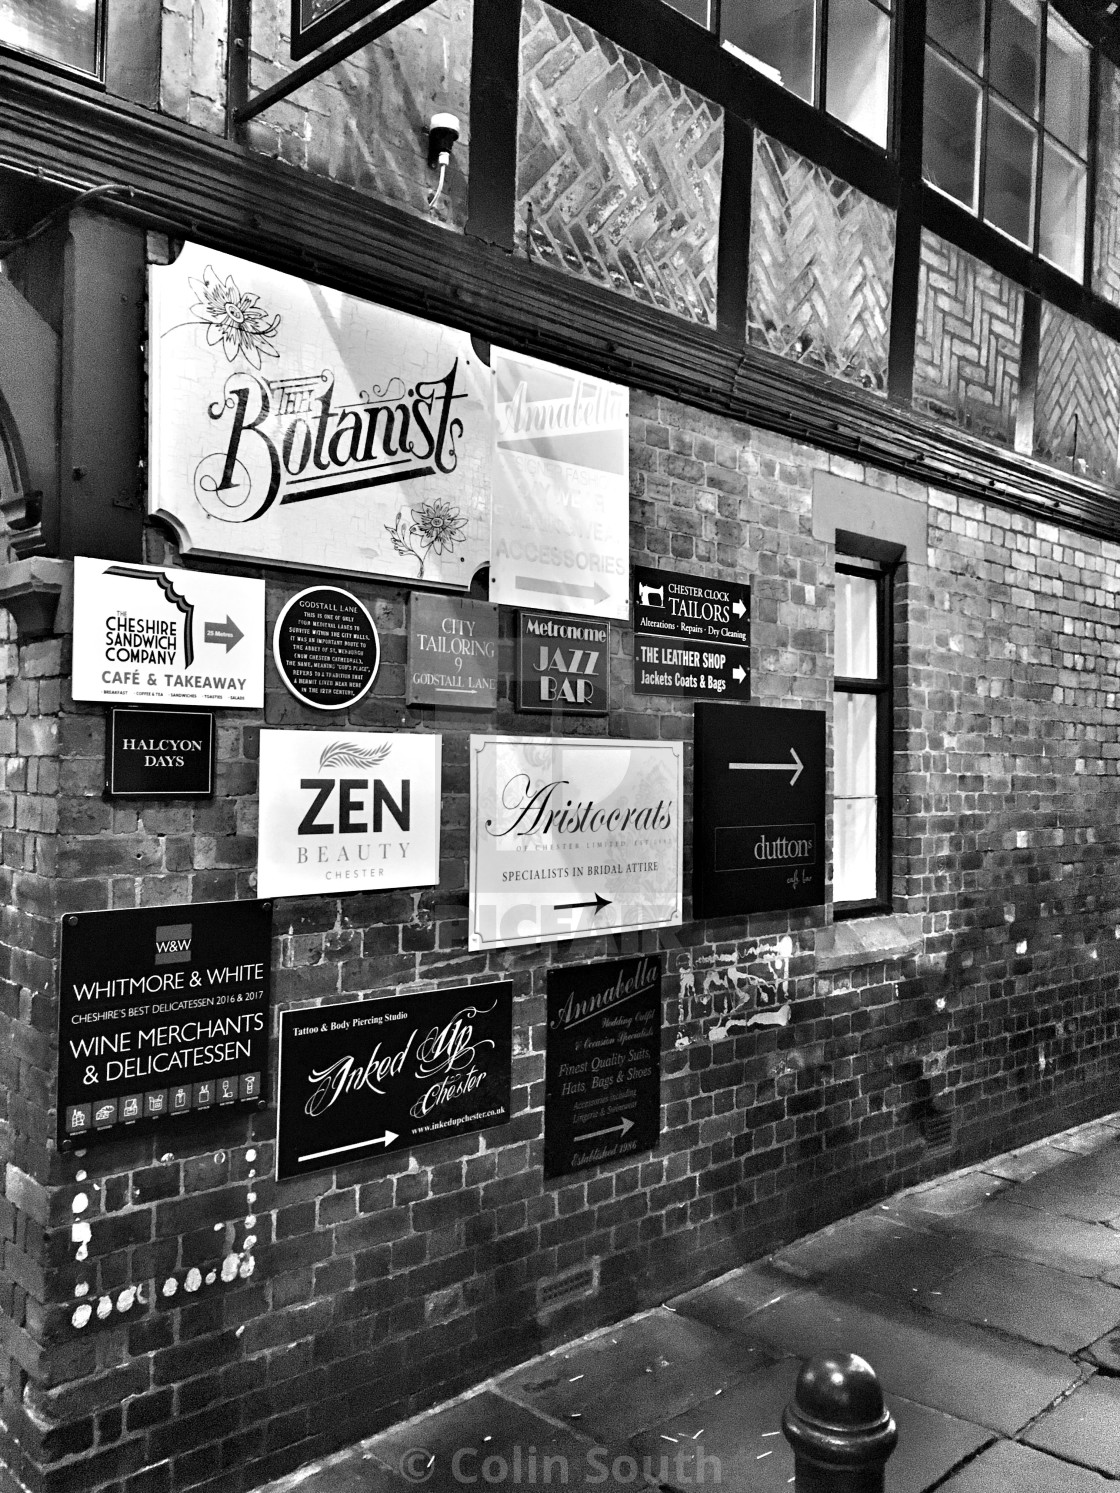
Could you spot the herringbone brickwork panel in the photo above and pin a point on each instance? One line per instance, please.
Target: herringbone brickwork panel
(821, 264)
(970, 329)
(618, 168)
(1106, 224)
(1077, 408)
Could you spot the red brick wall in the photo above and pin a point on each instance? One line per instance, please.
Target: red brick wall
(237, 1326)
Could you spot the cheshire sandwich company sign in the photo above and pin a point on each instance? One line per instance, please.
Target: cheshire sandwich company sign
(296, 424)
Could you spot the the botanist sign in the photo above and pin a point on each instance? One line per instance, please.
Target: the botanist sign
(297, 424)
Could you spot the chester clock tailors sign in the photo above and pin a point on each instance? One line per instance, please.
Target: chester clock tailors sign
(326, 648)
(573, 837)
(348, 811)
(363, 1078)
(293, 423)
(163, 1012)
(692, 636)
(147, 635)
(602, 1063)
(758, 824)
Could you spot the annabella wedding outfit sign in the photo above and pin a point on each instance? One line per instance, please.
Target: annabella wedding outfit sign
(296, 424)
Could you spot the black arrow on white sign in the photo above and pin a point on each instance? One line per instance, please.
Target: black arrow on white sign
(226, 632)
(598, 904)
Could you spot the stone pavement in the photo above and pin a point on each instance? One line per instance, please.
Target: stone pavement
(988, 1303)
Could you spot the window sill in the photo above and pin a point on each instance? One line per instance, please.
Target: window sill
(875, 940)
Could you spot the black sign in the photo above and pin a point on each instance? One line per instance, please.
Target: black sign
(602, 1063)
(452, 652)
(758, 821)
(159, 753)
(316, 21)
(163, 1012)
(563, 664)
(691, 636)
(369, 1077)
(326, 648)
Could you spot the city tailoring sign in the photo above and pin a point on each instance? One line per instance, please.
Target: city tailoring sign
(364, 1078)
(602, 1097)
(452, 652)
(354, 811)
(758, 823)
(296, 424)
(573, 837)
(692, 636)
(179, 637)
(561, 527)
(163, 1012)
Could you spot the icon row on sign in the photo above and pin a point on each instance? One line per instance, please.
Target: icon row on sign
(158, 1102)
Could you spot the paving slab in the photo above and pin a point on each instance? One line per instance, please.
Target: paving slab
(1086, 1138)
(740, 1433)
(1065, 1243)
(1030, 1301)
(1099, 1172)
(1084, 1428)
(878, 1254)
(1008, 1467)
(620, 1382)
(485, 1439)
(729, 1301)
(948, 1196)
(1054, 1192)
(949, 1366)
(1105, 1352)
(1030, 1161)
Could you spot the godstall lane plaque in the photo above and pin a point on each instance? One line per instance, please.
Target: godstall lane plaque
(602, 1063)
(364, 1078)
(163, 1012)
(326, 648)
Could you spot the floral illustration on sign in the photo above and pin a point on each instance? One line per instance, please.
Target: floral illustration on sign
(435, 527)
(233, 318)
(344, 754)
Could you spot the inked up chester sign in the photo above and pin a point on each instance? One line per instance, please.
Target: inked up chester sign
(296, 424)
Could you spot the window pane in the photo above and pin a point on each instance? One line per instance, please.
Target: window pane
(857, 627)
(854, 718)
(696, 10)
(57, 30)
(1067, 85)
(1015, 43)
(859, 58)
(1009, 182)
(951, 131)
(958, 26)
(1061, 232)
(779, 37)
(853, 851)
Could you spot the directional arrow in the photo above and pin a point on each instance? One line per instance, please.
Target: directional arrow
(620, 1130)
(226, 632)
(385, 1140)
(738, 674)
(560, 588)
(738, 608)
(598, 904)
(771, 767)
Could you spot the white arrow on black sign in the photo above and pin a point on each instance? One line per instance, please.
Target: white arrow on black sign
(798, 769)
(620, 1130)
(738, 608)
(385, 1140)
(738, 674)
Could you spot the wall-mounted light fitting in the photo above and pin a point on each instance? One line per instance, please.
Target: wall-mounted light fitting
(443, 131)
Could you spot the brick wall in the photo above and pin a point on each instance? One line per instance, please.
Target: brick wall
(176, 1319)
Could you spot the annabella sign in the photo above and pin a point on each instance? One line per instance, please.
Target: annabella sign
(293, 423)
(353, 811)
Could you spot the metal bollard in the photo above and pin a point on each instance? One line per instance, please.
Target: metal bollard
(839, 1428)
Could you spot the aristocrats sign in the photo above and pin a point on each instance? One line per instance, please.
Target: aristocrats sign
(348, 811)
(573, 837)
(296, 424)
(363, 1078)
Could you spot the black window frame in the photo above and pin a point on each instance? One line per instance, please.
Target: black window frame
(70, 70)
(1041, 133)
(882, 687)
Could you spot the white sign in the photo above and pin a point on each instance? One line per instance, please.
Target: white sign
(183, 637)
(300, 425)
(348, 811)
(560, 539)
(573, 837)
